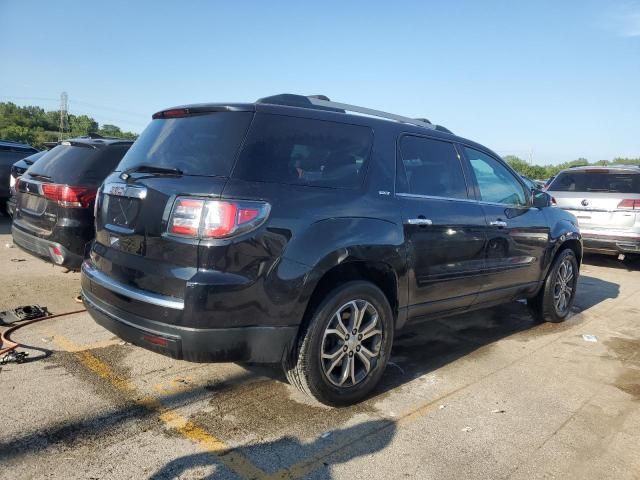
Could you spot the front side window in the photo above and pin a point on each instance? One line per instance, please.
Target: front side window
(303, 151)
(497, 184)
(430, 167)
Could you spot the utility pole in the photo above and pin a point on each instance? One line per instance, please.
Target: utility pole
(64, 115)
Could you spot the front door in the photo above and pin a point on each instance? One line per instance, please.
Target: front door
(517, 233)
(443, 228)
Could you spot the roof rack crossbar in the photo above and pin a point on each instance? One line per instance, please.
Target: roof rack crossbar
(369, 111)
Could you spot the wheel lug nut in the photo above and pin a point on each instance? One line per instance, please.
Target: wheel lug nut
(354, 331)
(351, 354)
(345, 348)
(346, 337)
(358, 348)
(360, 337)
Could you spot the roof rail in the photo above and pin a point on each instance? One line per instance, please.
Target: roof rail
(322, 102)
(420, 122)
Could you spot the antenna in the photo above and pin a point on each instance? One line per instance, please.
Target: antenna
(64, 114)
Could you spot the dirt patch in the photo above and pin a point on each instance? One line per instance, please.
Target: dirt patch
(629, 382)
(626, 350)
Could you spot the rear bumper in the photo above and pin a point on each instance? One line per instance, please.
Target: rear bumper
(45, 249)
(251, 343)
(610, 243)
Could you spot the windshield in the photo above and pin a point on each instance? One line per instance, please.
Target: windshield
(196, 145)
(606, 182)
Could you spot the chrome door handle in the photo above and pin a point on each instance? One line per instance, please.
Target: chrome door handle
(419, 221)
(498, 223)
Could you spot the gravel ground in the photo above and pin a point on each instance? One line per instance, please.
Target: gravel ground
(490, 394)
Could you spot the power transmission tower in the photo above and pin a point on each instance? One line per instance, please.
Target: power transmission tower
(64, 114)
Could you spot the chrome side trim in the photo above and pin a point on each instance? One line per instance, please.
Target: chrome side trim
(433, 197)
(119, 189)
(451, 199)
(107, 282)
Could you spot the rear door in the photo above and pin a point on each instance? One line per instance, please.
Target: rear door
(443, 228)
(601, 199)
(517, 233)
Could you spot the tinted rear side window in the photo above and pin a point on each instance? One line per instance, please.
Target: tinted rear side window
(302, 151)
(431, 167)
(204, 144)
(607, 182)
(78, 165)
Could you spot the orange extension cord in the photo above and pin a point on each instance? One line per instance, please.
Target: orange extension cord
(13, 345)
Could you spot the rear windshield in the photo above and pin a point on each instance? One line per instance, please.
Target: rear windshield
(203, 144)
(301, 151)
(78, 165)
(607, 182)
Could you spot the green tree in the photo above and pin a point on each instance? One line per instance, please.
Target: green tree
(82, 125)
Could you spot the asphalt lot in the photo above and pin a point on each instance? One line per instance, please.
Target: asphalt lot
(490, 394)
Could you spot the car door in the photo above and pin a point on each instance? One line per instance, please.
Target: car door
(443, 228)
(517, 233)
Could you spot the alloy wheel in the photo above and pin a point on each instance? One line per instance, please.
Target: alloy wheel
(351, 343)
(564, 286)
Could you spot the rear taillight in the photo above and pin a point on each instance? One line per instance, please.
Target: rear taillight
(68, 196)
(629, 204)
(199, 218)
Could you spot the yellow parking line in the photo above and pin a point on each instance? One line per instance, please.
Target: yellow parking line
(172, 419)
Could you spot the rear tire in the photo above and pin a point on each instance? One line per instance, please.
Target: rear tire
(553, 302)
(343, 349)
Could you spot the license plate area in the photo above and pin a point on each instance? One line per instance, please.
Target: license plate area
(121, 213)
(33, 203)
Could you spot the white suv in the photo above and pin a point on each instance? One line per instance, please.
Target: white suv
(606, 202)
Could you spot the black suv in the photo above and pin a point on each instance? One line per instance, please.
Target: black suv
(53, 216)
(10, 153)
(288, 230)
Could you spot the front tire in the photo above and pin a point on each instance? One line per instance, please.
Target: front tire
(553, 303)
(343, 349)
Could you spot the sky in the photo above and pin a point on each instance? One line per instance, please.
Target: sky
(549, 81)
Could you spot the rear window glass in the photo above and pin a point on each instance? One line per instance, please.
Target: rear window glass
(301, 151)
(78, 165)
(607, 182)
(203, 144)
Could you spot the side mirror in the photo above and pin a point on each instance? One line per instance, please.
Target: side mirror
(540, 199)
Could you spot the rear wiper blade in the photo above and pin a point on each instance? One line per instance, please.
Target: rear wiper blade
(39, 175)
(151, 169)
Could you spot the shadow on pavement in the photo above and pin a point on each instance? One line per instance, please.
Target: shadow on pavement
(422, 348)
(332, 448)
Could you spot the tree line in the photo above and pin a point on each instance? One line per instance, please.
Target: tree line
(542, 172)
(35, 126)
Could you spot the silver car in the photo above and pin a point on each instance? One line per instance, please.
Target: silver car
(606, 202)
